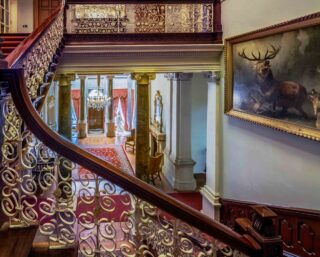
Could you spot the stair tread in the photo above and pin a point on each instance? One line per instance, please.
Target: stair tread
(17, 242)
(7, 43)
(40, 248)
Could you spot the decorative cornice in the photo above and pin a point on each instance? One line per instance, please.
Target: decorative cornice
(82, 77)
(213, 76)
(146, 38)
(181, 76)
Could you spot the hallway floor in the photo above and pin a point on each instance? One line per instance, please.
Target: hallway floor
(100, 145)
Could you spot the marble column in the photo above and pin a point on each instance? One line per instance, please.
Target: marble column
(64, 112)
(142, 124)
(210, 192)
(82, 124)
(110, 121)
(179, 164)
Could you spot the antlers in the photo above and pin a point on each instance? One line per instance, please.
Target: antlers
(270, 54)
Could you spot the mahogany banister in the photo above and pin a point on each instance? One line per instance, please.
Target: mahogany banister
(132, 184)
(24, 47)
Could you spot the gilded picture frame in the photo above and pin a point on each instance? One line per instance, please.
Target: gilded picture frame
(272, 77)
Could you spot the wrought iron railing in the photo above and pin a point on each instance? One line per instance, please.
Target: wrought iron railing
(106, 211)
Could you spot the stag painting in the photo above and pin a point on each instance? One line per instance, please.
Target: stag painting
(283, 94)
(272, 77)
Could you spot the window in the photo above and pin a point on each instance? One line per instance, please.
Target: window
(4, 15)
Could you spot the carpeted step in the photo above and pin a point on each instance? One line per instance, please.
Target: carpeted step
(7, 50)
(10, 43)
(193, 199)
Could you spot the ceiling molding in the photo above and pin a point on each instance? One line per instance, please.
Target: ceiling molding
(92, 59)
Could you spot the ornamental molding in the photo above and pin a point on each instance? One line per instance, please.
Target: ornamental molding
(140, 58)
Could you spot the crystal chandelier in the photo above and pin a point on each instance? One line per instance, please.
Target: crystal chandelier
(97, 99)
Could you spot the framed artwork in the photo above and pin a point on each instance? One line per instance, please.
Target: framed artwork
(273, 76)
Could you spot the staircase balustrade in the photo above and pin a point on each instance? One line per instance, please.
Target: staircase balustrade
(105, 211)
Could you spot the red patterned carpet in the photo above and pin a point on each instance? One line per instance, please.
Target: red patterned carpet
(110, 153)
(193, 199)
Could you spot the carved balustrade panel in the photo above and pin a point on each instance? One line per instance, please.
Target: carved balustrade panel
(140, 18)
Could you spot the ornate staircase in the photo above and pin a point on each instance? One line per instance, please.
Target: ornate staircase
(11, 41)
(110, 214)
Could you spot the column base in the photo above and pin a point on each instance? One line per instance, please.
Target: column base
(210, 203)
(82, 127)
(110, 129)
(179, 173)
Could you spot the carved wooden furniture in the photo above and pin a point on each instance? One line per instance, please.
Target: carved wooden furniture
(131, 141)
(155, 167)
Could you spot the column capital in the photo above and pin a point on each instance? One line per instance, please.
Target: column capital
(213, 76)
(169, 76)
(143, 78)
(180, 76)
(65, 79)
(110, 77)
(82, 77)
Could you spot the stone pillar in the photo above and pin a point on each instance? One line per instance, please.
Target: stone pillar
(110, 120)
(210, 192)
(82, 124)
(64, 112)
(142, 125)
(179, 166)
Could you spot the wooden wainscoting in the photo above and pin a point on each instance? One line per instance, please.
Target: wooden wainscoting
(299, 228)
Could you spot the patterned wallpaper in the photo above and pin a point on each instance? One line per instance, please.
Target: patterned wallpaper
(142, 18)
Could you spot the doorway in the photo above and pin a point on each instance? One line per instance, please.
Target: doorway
(95, 120)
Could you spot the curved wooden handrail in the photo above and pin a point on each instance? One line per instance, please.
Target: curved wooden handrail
(23, 48)
(132, 184)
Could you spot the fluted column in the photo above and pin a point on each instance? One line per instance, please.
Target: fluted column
(82, 124)
(179, 166)
(211, 191)
(110, 120)
(142, 124)
(64, 112)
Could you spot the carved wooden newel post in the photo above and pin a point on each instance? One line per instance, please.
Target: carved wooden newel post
(262, 230)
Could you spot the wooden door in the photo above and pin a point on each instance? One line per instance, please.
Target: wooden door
(95, 119)
(43, 9)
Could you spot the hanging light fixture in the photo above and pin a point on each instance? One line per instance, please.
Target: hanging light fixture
(97, 99)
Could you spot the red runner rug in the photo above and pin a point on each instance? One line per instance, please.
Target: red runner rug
(112, 154)
(193, 199)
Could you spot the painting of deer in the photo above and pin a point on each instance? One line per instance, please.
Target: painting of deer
(283, 94)
(272, 77)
